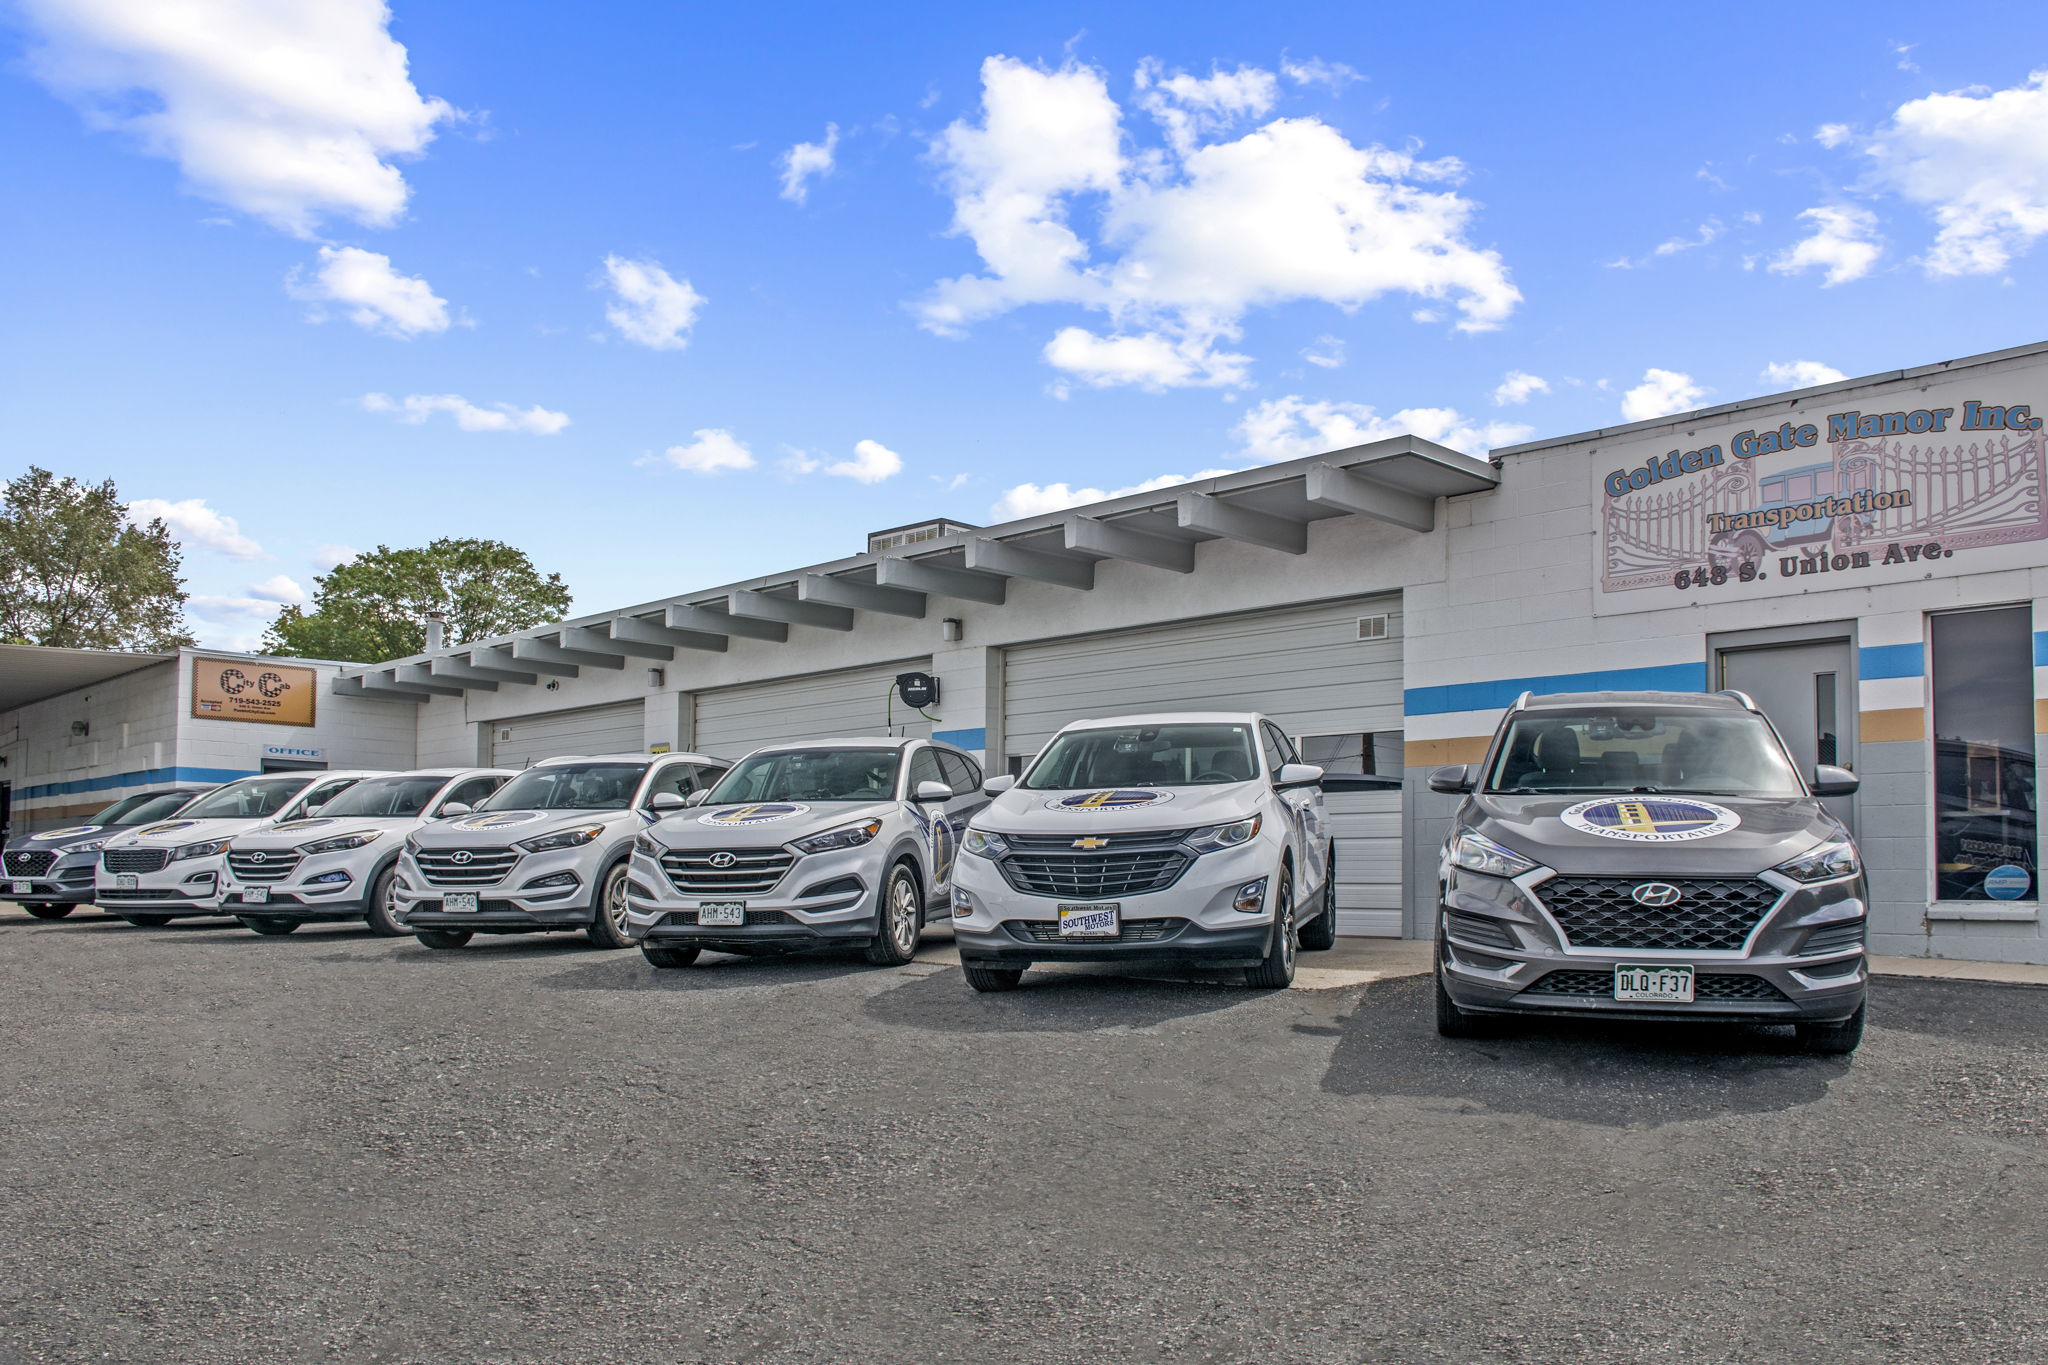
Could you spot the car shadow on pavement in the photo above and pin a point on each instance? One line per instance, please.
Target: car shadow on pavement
(1049, 1002)
(1982, 1011)
(1605, 1072)
(628, 971)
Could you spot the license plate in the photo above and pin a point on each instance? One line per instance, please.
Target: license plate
(256, 895)
(1090, 921)
(126, 881)
(24, 888)
(1667, 985)
(722, 912)
(459, 902)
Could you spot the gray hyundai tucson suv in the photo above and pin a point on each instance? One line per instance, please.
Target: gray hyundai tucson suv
(1649, 855)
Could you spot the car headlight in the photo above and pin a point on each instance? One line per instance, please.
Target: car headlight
(653, 849)
(205, 850)
(562, 838)
(1836, 858)
(1214, 837)
(342, 842)
(89, 846)
(1477, 853)
(853, 836)
(984, 844)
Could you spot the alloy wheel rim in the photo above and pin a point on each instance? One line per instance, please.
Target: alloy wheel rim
(903, 911)
(615, 897)
(1287, 929)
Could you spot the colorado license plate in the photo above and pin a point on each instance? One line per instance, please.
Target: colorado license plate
(459, 903)
(1090, 921)
(126, 881)
(256, 895)
(722, 912)
(23, 888)
(1662, 984)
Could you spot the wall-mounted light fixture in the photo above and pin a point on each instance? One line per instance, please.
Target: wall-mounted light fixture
(949, 629)
(657, 677)
(80, 728)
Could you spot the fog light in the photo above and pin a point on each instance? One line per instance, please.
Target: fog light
(558, 879)
(199, 877)
(963, 904)
(1251, 898)
(329, 879)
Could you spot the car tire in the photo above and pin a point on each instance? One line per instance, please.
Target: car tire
(49, 911)
(608, 928)
(669, 957)
(148, 921)
(442, 938)
(1276, 973)
(1452, 1022)
(1320, 934)
(1832, 1040)
(991, 979)
(270, 926)
(899, 919)
(383, 913)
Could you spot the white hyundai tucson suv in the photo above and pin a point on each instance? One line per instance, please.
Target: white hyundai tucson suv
(343, 863)
(1196, 839)
(546, 852)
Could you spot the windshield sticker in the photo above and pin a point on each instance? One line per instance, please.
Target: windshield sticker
(765, 814)
(504, 820)
(172, 828)
(1655, 821)
(65, 833)
(1133, 798)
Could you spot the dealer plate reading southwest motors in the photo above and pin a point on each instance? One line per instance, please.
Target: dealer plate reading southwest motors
(1649, 854)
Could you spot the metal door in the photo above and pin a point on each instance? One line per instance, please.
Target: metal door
(1808, 691)
(733, 721)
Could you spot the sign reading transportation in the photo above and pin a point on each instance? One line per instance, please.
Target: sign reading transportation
(253, 690)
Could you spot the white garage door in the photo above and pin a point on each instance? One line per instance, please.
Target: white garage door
(1331, 671)
(733, 721)
(615, 729)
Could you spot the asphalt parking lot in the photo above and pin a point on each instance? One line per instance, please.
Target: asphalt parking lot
(330, 1147)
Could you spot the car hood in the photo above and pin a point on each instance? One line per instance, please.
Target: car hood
(177, 833)
(730, 824)
(498, 828)
(57, 840)
(1671, 835)
(292, 833)
(1134, 809)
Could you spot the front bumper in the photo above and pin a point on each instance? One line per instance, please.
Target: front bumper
(191, 886)
(512, 905)
(69, 881)
(822, 900)
(1500, 951)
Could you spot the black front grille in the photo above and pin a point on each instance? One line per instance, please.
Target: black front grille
(1478, 929)
(1130, 931)
(135, 859)
(465, 866)
(1094, 876)
(689, 917)
(261, 867)
(1704, 987)
(1711, 913)
(711, 873)
(30, 863)
(1833, 938)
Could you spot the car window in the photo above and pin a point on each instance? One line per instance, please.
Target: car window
(1279, 749)
(327, 791)
(153, 808)
(1643, 749)
(924, 767)
(1171, 755)
(570, 786)
(961, 773)
(473, 791)
(823, 774)
(396, 795)
(678, 779)
(250, 799)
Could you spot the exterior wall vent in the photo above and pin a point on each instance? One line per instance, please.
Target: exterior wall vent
(1374, 627)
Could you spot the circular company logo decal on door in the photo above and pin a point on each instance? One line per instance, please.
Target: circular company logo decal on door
(765, 814)
(1129, 798)
(1650, 820)
(509, 818)
(65, 833)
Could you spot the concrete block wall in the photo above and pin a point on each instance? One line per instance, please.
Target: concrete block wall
(355, 733)
(59, 778)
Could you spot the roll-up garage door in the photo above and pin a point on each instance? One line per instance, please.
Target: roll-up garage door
(1329, 674)
(616, 729)
(732, 721)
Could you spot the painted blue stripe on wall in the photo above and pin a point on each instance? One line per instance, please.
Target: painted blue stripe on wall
(977, 738)
(1501, 693)
(145, 777)
(2041, 649)
(1894, 661)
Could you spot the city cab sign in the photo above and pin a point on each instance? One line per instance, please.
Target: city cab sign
(253, 690)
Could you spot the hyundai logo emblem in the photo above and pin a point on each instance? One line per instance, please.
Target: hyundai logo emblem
(721, 860)
(1656, 895)
(259, 857)
(460, 855)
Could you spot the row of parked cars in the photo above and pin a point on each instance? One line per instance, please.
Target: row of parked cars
(1648, 855)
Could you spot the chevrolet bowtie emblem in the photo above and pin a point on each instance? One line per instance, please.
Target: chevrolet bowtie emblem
(1091, 842)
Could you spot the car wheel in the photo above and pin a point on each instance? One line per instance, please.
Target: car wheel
(383, 917)
(1320, 934)
(899, 919)
(442, 938)
(1832, 1040)
(1276, 973)
(987, 979)
(49, 911)
(608, 929)
(148, 921)
(269, 925)
(1452, 1022)
(669, 957)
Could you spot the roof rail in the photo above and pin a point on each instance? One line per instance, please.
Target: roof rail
(1743, 697)
(1522, 700)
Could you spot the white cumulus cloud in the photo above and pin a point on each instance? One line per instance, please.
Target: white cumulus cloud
(1519, 386)
(1327, 353)
(1032, 499)
(418, 407)
(327, 558)
(1334, 76)
(1978, 161)
(1292, 427)
(872, 462)
(372, 294)
(1832, 134)
(808, 161)
(278, 589)
(289, 110)
(1843, 244)
(190, 520)
(1661, 393)
(649, 306)
(712, 451)
(1149, 360)
(1800, 374)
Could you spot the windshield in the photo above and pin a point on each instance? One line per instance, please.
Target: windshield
(385, 796)
(1146, 756)
(148, 808)
(1643, 750)
(811, 775)
(569, 786)
(119, 812)
(251, 799)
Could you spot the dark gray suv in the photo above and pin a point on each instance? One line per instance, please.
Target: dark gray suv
(1650, 855)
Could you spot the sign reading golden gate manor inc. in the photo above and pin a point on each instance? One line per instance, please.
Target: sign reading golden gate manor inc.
(245, 689)
(1855, 492)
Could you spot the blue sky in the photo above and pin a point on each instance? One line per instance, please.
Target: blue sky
(311, 275)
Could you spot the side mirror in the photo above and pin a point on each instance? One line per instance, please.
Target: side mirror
(1453, 780)
(697, 797)
(1828, 780)
(930, 793)
(661, 803)
(996, 786)
(1297, 775)
(449, 808)
(1360, 782)
(312, 811)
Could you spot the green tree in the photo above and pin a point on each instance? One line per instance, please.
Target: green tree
(75, 573)
(375, 606)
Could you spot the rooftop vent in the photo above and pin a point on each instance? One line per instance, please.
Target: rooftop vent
(897, 537)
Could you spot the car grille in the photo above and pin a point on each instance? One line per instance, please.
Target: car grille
(1601, 985)
(753, 871)
(1478, 929)
(1712, 913)
(1093, 876)
(689, 917)
(465, 866)
(1130, 931)
(30, 864)
(150, 893)
(135, 859)
(1833, 938)
(273, 867)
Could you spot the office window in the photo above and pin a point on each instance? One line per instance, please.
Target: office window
(1982, 671)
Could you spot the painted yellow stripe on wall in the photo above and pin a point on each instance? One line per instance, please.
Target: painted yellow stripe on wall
(1886, 727)
(1434, 753)
(2041, 717)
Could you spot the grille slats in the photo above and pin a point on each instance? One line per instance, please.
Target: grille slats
(30, 863)
(689, 917)
(274, 867)
(1478, 929)
(1093, 876)
(1704, 987)
(754, 871)
(150, 893)
(1712, 913)
(1129, 931)
(135, 859)
(484, 866)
